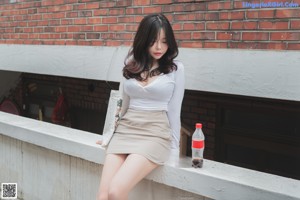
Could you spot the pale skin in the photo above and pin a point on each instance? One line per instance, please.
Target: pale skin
(121, 172)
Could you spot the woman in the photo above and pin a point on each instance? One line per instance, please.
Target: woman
(153, 90)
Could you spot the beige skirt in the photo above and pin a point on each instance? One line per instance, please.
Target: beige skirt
(146, 133)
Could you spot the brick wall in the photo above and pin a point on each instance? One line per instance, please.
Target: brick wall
(197, 23)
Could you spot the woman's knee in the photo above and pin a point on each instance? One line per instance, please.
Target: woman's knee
(102, 196)
(117, 192)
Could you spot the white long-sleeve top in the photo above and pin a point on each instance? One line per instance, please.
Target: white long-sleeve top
(163, 93)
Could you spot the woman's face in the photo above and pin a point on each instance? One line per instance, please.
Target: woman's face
(159, 47)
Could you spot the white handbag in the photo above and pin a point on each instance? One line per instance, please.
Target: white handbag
(113, 115)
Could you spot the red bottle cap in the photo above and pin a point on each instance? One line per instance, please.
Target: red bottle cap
(198, 125)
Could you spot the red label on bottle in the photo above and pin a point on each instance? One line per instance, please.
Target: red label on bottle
(198, 144)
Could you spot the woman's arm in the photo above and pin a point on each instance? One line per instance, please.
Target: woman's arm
(125, 100)
(174, 106)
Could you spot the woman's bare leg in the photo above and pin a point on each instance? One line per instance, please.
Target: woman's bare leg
(133, 170)
(112, 164)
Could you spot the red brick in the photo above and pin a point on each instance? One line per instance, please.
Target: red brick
(215, 44)
(58, 2)
(288, 13)
(67, 21)
(108, 36)
(134, 11)
(71, 42)
(191, 44)
(60, 29)
(295, 24)
(177, 26)
(179, 1)
(117, 27)
(107, 4)
(59, 42)
(87, 28)
(232, 15)
(244, 25)
(183, 35)
(217, 25)
(44, 36)
(203, 35)
(276, 46)
(260, 14)
(73, 28)
(78, 36)
(116, 11)
(24, 5)
(266, 14)
(32, 11)
(173, 8)
(54, 36)
(97, 43)
(55, 22)
(212, 16)
(273, 25)
(255, 36)
(80, 21)
(36, 17)
(131, 28)
(34, 36)
(285, 36)
(109, 20)
(141, 2)
(79, 7)
(113, 43)
(84, 13)
(138, 18)
(93, 5)
(126, 19)
(293, 46)
(38, 29)
(238, 5)
(125, 36)
(72, 14)
(124, 3)
(42, 23)
(161, 1)
(66, 36)
(93, 35)
(23, 36)
(47, 16)
(100, 12)
(47, 3)
(42, 10)
(228, 36)
(96, 20)
(16, 30)
(153, 9)
(59, 15)
(193, 26)
(22, 24)
(49, 29)
(219, 5)
(66, 7)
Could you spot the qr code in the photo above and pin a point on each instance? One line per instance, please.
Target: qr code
(9, 190)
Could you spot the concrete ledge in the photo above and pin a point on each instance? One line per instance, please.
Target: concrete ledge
(257, 73)
(215, 180)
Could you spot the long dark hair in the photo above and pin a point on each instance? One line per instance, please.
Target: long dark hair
(139, 59)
